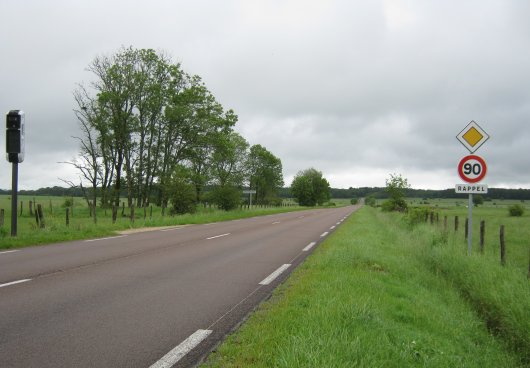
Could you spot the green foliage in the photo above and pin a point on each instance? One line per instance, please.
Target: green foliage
(395, 187)
(370, 201)
(516, 210)
(416, 215)
(265, 174)
(226, 198)
(354, 201)
(68, 202)
(478, 200)
(309, 188)
(3, 232)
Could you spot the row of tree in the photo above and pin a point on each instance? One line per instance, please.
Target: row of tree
(150, 129)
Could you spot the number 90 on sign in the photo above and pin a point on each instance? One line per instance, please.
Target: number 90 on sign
(472, 169)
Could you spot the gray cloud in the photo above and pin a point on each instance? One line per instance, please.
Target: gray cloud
(356, 89)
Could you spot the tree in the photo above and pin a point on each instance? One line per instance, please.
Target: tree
(181, 192)
(478, 200)
(265, 174)
(395, 187)
(309, 188)
(228, 160)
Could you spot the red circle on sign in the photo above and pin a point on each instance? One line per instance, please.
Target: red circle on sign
(472, 169)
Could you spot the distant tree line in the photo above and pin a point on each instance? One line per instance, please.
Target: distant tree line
(153, 133)
(285, 192)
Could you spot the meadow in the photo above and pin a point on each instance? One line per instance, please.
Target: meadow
(385, 290)
(82, 225)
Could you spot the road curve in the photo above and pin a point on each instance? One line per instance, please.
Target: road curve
(154, 299)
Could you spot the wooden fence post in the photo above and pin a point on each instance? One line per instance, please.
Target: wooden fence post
(31, 208)
(432, 217)
(482, 233)
(132, 213)
(145, 212)
(37, 214)
(67, 216)
(528, 263)
(2, 217)
(122, 209)
(21, 208)
(41, 216)
(503, 246)
(445, 223)
(151, 212)
(467, 226)
(456, 224)
(114, 213)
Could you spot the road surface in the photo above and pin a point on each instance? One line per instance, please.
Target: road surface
(153, 299)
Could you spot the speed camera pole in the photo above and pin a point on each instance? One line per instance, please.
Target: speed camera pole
(14, 198)
(15, 126)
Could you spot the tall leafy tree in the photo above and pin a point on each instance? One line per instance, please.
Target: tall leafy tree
(309, 188)
(265, 173)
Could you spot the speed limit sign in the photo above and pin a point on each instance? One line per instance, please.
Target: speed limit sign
(472, 169)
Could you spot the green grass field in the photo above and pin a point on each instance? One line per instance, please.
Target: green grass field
(82, 225)
(381, 293)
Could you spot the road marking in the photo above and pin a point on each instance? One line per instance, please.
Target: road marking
(217, 236)
(110, 237)
(14, 282)
(172, 229)
(309, 246)
(9, 251)
(275, 274)
(331, 228)
(276, 222)
(181, 350)
(324, 234)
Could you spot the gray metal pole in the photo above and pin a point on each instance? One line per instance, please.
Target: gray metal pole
(14, 199)
(470, 223)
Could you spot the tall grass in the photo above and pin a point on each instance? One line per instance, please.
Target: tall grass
(380, 294)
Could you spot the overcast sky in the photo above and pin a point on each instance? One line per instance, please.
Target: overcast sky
(356, 89)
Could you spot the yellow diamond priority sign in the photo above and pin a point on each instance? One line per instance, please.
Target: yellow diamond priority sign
(472, 137)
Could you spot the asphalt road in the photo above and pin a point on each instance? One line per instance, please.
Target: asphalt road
(154, 299)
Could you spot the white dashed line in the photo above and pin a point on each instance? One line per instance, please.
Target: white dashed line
(331, 228)
(14, 283)
(177, 353)
(275, 274)
(276, 222)
(324, 234)
(110, 237)
(9, 251)
(309, 246)
(217, 236)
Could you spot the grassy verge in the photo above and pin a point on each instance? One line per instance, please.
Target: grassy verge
(83, 227)
(378, 294)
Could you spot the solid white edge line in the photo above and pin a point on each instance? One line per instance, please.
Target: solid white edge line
(276, 222)
(9, 251)
(331, 228)
(275, 274)
(309, 246)
(14, 283)
(182, 349)
(217, 236)
(110, 237)
(324, 234)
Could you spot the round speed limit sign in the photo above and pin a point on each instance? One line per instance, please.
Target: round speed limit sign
(472, 169)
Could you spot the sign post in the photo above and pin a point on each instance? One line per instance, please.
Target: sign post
(249, 192)
(472, 169)
(15, 126)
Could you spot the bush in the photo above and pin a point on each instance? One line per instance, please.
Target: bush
(183, 198)
(68, 202)
(390, 205)
(370, 201)
(516, 210)
(226, 198)
(416, 215)
(354, 201)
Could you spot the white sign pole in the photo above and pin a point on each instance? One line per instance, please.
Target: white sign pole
(470, 224)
